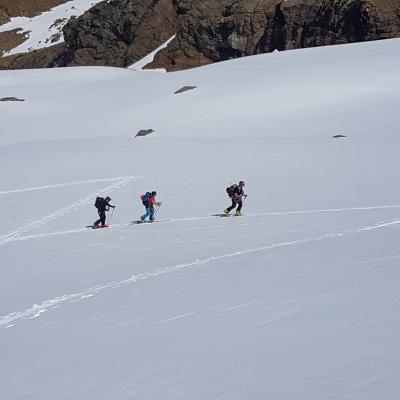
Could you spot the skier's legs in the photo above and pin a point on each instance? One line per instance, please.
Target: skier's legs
(229, 209)
(102, 217)
(240, 204)
(147, 214)
(99, 220)
(151, 213)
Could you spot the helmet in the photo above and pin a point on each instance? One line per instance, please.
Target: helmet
(108, 198)
(241, 183)
(154, 193)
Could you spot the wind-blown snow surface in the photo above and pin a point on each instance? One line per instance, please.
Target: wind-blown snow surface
(45, 29)
(296, 300)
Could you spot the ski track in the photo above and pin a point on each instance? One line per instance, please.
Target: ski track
(59, 185)
(9, 237)
(13, 235)
(36, 310)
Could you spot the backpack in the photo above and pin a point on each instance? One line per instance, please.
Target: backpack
(145, 198)
(98, 202)
(231, 190)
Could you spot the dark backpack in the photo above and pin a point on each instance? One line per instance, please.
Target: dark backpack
(99, 201)
(145, 198)
(231, 190)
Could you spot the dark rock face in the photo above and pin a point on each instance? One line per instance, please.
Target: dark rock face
(43, 58)
(119, 32)
(217, 31)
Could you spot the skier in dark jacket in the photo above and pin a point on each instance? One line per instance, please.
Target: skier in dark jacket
(236, 194)
(102, 206)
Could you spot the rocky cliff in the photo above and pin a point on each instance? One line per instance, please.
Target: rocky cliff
(120, 32)
(225, 29)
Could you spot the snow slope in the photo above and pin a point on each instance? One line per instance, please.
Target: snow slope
(296, 300)
(45, 29)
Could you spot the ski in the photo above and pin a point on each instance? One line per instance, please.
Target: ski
(226, 215)
(147, 222)
(96, 227)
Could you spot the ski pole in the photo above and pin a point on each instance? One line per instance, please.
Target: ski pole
(112, 213)
(158, 208)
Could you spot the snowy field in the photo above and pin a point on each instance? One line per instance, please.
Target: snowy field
(296, 300)
(45, 29)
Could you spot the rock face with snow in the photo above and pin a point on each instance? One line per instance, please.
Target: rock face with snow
(119, 33)
(221, 30)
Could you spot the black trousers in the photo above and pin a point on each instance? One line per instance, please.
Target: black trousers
(236, 202)
(102, 215)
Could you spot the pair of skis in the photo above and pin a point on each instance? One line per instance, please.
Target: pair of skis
(131, 223)
(139, 222)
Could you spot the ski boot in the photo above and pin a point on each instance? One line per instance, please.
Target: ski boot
(238, 214)
(226, 212)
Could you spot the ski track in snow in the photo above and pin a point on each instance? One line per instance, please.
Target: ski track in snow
(59, 185)
(14, 238)
(36, 310)
(13, 235)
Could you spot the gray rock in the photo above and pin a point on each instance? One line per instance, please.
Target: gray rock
(144, 132)
(185, 89)
(11, 99)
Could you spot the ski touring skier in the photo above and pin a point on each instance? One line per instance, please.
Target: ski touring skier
(237, 195)
(102, 205)
(149, 201)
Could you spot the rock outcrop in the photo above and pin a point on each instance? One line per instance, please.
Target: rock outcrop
(119, 32)
(4, 18)
(225, 29)
(26, 8)
(43, 58)
(10, 39)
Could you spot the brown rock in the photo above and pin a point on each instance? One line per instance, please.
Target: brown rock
(27, 8)
(4, 18)
(43, 58)
(11, 39)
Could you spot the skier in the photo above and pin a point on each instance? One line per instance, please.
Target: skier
(102, 206)
(149, 201)
(236, 194)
